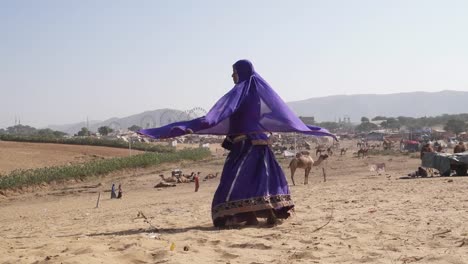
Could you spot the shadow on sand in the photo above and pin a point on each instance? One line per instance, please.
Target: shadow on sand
(173, 230)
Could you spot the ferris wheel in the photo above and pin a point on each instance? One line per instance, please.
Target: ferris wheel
(196, 112)
(184, 116)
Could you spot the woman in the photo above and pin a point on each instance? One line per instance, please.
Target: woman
(252, 182)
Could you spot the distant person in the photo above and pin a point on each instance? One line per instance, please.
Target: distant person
(196, 178)
(119, 194)
(459, 148)
(113, 196)
(439, 148)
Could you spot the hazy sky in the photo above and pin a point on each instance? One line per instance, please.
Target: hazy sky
(61, 61)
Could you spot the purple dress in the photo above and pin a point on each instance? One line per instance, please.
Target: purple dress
(252, 180)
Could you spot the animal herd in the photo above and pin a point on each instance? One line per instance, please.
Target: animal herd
(302, 160)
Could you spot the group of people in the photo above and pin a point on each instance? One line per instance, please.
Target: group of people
(252, 183)
(119, 192)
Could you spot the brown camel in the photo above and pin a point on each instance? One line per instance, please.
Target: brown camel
(319, 149)
(211, 176)
(304, 161)
(363, 152)
(387, 144)
(170, 179)
(459, 148)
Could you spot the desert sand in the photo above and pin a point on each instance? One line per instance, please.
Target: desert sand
(356, 216)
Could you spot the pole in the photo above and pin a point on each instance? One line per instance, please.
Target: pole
(130, 145)
(97, 203)
(295, 143)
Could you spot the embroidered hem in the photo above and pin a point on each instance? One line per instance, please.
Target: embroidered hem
(251, 205)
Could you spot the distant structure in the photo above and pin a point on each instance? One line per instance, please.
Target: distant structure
(310, 120)
(346, 120)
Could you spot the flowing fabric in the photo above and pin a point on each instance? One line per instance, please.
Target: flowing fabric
(252, 181)
(252, 106)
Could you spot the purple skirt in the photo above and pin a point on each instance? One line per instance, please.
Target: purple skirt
(252, 181)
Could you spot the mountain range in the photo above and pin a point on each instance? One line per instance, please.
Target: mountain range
(330, 108)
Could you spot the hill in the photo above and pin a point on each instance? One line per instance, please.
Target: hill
(146, 119)
(414, 104)
(330, 108)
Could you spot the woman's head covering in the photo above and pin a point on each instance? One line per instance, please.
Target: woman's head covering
(251, 106)
(244, 69)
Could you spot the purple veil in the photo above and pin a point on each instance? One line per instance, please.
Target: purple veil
(252, 106)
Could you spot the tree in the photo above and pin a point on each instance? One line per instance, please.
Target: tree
(456, 126)
(45, 132)
(366, 127)
(364, 119)
(105, 130)
(378, 118)
(391, 123)
(83, 132)
(134, 128)
(59, 133)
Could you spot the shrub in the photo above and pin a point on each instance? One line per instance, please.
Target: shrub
(20, 178)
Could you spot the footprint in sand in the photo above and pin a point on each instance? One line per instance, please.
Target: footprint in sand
(215, 242)
(251, 245)
(126, 246)
(227, 255)
(303, 255)
(83, 251)
(159, 255)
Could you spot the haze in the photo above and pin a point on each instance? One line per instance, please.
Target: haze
(66, 61)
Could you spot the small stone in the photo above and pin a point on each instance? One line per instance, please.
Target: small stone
(186, 248)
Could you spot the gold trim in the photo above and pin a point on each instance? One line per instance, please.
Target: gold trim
(257, 142)
(239, 138)
(251, 205)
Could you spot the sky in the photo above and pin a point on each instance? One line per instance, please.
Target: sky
(62, 62)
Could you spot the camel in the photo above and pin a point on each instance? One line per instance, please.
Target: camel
(164, 184)
(387, 144)
(304, 161)
(170, 179)
(319, 149)
(211, 176)
(363, 152)
(459, 148)
(343, 151)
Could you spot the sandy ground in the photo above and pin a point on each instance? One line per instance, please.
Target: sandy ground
(18, 155)
(356, 216)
